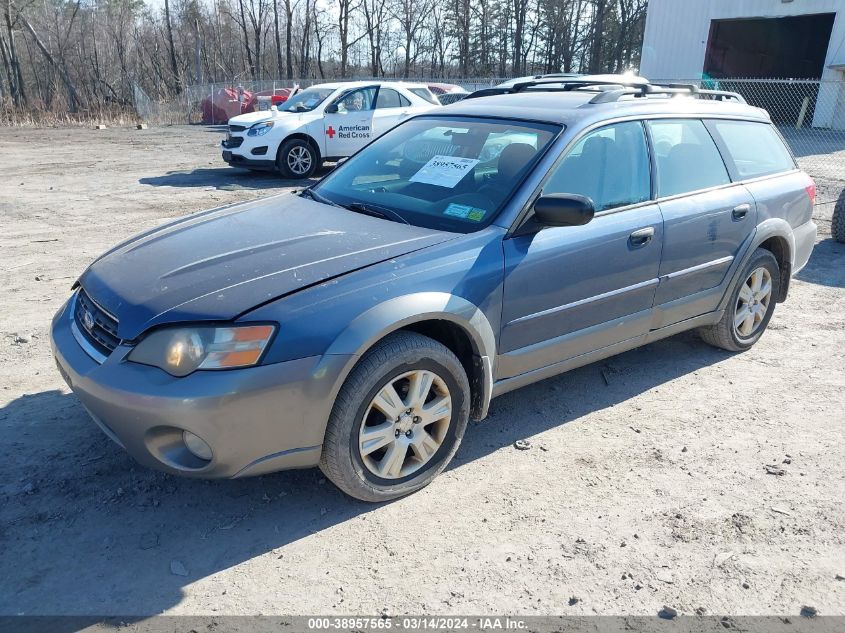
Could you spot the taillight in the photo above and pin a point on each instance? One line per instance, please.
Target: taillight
(811, 190)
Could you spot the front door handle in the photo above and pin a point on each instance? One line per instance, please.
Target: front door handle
(641, 237)
(741, 211)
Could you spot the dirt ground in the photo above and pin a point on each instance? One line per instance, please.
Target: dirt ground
(646, 483)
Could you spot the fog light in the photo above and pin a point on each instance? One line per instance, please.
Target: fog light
(197, 445)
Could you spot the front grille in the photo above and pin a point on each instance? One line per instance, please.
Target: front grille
(97, 326)
(235, 141)
(237, 128)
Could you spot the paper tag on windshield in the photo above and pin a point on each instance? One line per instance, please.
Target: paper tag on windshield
(444, 171)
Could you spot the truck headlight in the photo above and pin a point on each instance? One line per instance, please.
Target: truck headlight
(260, 129)
(182, 350)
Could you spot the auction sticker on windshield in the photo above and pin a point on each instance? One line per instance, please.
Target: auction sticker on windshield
(444, 171)
(465, 211)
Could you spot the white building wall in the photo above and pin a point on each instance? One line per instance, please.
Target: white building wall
(676, 33)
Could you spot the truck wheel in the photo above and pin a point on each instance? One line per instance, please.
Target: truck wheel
(398, 419)
(751, 305)
(297, 159)
(837, 225)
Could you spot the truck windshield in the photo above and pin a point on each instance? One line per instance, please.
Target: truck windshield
(446, 173)
(306, 100)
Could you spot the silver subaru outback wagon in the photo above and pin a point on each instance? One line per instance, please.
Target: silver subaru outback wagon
(358, 324)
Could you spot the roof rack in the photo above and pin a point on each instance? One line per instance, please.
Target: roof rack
(611, 90)
(646, 90)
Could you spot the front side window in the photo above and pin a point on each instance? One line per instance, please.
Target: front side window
(357, 100)
(686, 156)
(755, 148)
(306, 100)
(609, 165)
(452, 173)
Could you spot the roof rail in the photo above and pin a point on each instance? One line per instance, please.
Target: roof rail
(635, 87)
(557, 84)
(666, 89)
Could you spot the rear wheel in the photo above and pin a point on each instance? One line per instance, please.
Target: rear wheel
(398, 419)
(751, 306)
(297, 159)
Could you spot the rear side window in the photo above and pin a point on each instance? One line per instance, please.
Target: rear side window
(686, 156)
(388, 98)
(608, 165)
(425, 93)
(755, 148)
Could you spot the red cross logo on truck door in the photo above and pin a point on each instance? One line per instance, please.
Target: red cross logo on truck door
(331, 132)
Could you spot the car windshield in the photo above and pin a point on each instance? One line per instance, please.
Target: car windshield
(306, 100)
(446, 173)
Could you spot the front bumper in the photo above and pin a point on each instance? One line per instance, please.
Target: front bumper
(256, 420)
(242, 151)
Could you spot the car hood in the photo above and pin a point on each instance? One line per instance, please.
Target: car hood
(219, 264)
(251, 118)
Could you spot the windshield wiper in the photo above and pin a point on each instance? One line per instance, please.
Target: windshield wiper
(375, 211)
(318, 198)
(358, 207)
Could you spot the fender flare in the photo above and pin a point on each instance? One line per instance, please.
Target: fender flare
(392, 315)
(772, 227)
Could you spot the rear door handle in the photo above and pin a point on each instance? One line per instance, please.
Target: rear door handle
(641, 237)
(741, 211)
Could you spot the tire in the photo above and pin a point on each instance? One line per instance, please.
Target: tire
(757, 305)
(366, 469)
(837, 225)
(297, 159)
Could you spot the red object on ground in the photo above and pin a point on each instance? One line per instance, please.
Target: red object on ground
(277, 96)
(224, 104)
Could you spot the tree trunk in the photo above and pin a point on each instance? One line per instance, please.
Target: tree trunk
(278, 37)
(16, 78)
(174, 66)
(596, 47)
(71, 89)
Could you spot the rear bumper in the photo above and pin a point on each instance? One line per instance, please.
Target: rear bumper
(805, 240)
(255, 420)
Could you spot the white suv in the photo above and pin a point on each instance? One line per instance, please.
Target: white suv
(324, 122)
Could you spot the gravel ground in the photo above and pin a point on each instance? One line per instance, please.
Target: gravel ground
(676, 474)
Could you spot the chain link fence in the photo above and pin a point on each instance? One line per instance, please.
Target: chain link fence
(215, 103)
(809, 114)
(210, 103)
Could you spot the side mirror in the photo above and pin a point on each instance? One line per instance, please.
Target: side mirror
(563, 209)
(331, 108)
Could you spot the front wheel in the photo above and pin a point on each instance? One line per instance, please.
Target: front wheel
(751, 305)
(297, 159)
(398, 419)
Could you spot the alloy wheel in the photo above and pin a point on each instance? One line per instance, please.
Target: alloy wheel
(753, 301)
(405, 424)
(299, 160)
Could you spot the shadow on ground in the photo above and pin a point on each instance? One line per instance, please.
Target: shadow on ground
(228, 179)
(826, 266)
(87, 531)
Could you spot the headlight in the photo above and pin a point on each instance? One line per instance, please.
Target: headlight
(260, 129)
(180, 351)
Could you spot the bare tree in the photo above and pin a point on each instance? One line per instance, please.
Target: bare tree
(72, 54)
